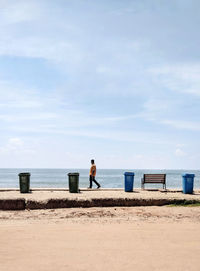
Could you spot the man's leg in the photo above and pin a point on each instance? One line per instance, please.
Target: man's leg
(98, 185)
(90, 181)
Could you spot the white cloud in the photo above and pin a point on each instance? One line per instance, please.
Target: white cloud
(18, 96)
(180, 145)
(104, 69)
(96, 133)
(185, 125)
(155, 109)
(18, 11)
(15, 145)
(179, 152)
(23, 117)
(40, 47)
(15, 142)
(42, 39)
(182, 78)
(63, 42)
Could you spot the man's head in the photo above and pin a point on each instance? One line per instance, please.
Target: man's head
(92, 161)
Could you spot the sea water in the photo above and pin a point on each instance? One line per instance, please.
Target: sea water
(108, 178)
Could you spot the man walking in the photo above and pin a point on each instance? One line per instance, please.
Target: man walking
(93, 174)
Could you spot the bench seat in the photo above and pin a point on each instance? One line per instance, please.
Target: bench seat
(154, 178)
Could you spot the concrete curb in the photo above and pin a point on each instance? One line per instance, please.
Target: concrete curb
(12, 204)
(22, 204)
(105, 202)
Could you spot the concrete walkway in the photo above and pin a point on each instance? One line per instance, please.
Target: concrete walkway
(12, 199)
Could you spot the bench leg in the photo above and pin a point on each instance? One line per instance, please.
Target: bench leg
(142, 183)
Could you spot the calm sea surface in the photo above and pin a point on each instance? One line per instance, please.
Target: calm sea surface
(108, 178)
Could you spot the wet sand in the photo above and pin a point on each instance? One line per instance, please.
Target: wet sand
(118, 238)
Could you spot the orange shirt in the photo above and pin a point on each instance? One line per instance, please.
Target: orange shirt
(93, 170)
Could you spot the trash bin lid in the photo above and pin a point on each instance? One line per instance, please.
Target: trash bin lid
(73, 174)
(129, 173)
(189, 175)
(24, 174)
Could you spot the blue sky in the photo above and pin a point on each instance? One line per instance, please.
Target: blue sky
(117, 81)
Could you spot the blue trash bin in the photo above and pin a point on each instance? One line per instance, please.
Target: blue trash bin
(188, 183)
(129, 181)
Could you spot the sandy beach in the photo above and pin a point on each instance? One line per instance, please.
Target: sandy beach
(117, 238)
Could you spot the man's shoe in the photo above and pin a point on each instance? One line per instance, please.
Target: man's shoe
(89, 187)
(98, 187)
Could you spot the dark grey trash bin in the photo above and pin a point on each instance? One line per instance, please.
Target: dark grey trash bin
(73, 182)
(24, 182)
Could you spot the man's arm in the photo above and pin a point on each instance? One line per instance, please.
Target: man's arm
(93, 170)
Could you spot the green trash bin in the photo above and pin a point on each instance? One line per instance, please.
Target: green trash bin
(24, 182)
(73, 182)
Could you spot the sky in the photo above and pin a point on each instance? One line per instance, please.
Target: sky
(115, 81)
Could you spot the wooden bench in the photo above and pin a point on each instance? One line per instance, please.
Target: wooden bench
(154, 178)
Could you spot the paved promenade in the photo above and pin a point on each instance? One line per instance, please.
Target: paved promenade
(12, 199)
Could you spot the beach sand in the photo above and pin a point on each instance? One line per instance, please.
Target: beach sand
(118, 238)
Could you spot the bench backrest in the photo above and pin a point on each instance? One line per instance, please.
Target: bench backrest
(154, 178)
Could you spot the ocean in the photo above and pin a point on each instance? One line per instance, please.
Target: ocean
(108, 178)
